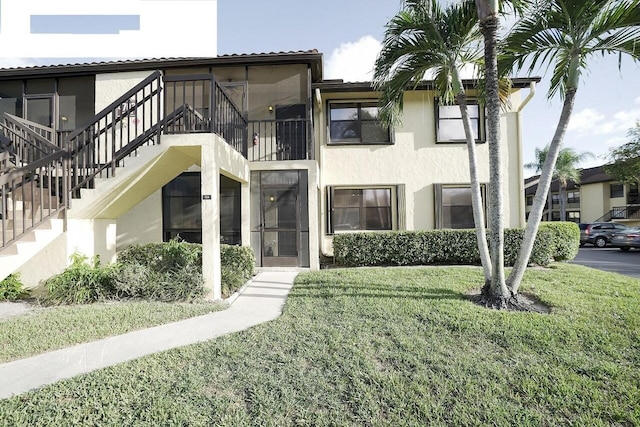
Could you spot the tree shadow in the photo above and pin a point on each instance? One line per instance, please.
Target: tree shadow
(327, 291)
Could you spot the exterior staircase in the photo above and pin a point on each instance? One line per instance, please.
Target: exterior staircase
(98, 171)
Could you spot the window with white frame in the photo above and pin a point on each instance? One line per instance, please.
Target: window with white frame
(453, 206)
(365, 208)
(449, 127)
(356, 123)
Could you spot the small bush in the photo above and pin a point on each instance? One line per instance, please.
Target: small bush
(84, 281)
(430, 247)
(11, 288)
(566, 239)
(237, 263)
(172, 271)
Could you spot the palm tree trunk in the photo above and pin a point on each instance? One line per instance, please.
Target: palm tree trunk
(476, 196)
(546, 176)
(496, 294)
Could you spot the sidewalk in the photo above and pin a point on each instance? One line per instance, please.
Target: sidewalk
(261, 302)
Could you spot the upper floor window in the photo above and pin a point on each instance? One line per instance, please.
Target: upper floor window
(449, 123)
(356, 123)
(616, 190)
(573, 197)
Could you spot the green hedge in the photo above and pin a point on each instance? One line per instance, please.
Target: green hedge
(431, 247)
(237, 263)
(566, 238)
(169, 271)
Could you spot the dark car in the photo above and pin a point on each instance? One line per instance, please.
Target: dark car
(626, 240)
(599, 233)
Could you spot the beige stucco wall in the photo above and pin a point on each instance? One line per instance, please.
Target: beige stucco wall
(142, 223)
(594, 201)
(110, 86)
(416, 161)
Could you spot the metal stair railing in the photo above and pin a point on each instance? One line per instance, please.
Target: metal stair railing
(132, 120)
(30, 195)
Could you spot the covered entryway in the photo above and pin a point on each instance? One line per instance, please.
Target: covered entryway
(280, 220)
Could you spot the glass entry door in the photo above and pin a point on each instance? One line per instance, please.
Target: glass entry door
(280, 226)
(39, 109)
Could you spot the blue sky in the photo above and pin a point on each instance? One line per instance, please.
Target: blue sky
(607, 104)
(348, 33)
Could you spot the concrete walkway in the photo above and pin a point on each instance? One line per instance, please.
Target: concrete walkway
(261, 302)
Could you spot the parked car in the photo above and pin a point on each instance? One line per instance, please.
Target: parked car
(599, 233)
(626, 240)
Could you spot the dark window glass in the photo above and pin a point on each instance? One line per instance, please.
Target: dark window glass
(361, 209)
(617, 190)
(449, 123)
(356, 123)
(181, 208)
(457, 211)
(11, 98)
(230, 211)
(76, 101)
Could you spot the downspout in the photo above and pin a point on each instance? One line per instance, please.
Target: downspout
(523, 207)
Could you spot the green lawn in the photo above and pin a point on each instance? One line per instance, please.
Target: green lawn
(56, 327)
(397, 347)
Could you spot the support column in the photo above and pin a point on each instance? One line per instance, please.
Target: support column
(210, 191)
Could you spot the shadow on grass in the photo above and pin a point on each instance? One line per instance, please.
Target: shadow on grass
(325, 291)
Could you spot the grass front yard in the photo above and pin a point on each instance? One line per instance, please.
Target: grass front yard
(51, 328)
(398, 347)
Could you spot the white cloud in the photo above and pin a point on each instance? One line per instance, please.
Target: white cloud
(590, 121)
(637, 100)
(353, 62)
(585, 120)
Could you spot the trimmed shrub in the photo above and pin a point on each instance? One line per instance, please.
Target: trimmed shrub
(566, 239)
(237, 263)
(84, 281)
(455, 247)
(172, 271)
(11, 288)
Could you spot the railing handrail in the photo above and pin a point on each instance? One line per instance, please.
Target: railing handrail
(127, 95)
(24, 126)
(19, 172)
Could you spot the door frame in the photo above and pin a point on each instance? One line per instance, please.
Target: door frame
(279, 261)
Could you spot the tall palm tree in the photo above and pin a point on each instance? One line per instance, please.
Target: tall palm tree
(424, 37)
(566, 169)
(565, 35)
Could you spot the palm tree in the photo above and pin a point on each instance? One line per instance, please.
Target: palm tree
(424, 37)
(565, 170)
(565, 35)
(494, 293)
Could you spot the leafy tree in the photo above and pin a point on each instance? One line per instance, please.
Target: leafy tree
(565, 35)
(424, 37)
(566, 170)
(625, 159)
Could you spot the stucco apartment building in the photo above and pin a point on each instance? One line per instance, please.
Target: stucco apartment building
(254, 149)
(597, 197)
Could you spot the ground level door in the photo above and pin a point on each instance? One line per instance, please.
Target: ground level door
(280, 218)
(280, 226)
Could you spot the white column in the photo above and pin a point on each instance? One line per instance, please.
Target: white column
(210, 174)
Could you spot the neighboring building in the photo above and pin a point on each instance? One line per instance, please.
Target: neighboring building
(251, 149)
(598, 197)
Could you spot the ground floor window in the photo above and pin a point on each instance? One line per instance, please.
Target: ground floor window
(182, 211)
(453, 206)
(362, 208)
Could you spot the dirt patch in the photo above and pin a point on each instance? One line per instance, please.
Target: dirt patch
(522, 302)
(10, 309)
